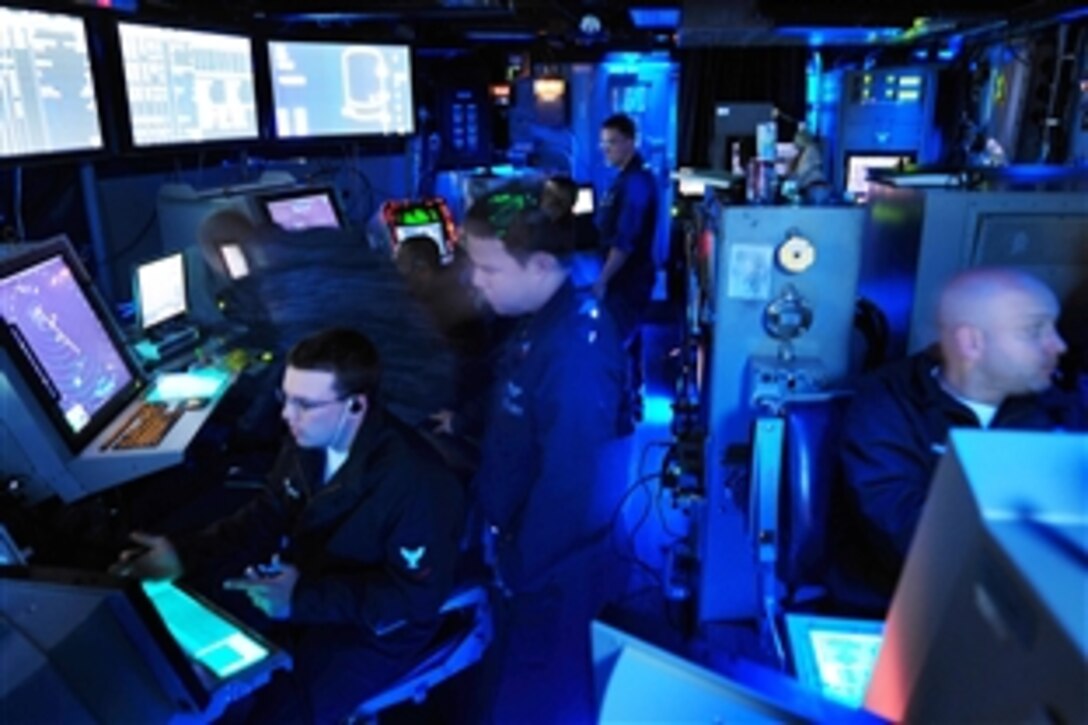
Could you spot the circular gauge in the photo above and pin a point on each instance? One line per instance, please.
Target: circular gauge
(796, 254)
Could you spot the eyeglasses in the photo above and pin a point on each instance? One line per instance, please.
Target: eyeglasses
(303, 404)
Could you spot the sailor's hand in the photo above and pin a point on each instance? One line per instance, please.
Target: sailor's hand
(268, 586)
(153, 557)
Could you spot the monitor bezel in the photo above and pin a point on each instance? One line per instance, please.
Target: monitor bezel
(94, 62)
(274, 133)
(76, 441)
(265, 200)
(233, 142)
(137, 295)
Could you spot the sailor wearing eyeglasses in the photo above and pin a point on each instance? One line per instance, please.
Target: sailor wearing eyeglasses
(359, 524)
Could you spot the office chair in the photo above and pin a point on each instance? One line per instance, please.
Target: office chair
(799, 509)
(460, 642)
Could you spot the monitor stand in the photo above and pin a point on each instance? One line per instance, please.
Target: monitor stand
(172, 339)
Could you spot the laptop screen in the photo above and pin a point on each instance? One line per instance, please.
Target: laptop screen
(835, 656)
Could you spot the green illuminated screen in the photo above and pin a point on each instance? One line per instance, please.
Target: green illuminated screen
(203, 635)
(419, 216)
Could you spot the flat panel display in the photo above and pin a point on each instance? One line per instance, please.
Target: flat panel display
(858, 166)
(303, 209)
(341, 89)
(834, 656)
(187, 86)
(94, 648)
(584, 202)
(58, 333)
(427, 218)
(234, 259)
(47, 100)
(159, 291)
(218, 644)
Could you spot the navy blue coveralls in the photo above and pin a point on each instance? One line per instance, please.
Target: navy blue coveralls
(549, 483)
(628, 221)
(894, 435)
(376, 547)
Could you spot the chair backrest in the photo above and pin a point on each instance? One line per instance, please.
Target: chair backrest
(810, 477)
(466, 633)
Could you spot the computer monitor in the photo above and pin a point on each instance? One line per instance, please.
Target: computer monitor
(159, 291)
(688, 185)
(341, 89)
(424, 218)
(637, 681)
(859, 164)
(300, 209)
(988, 622)
(1039, 232)
(86, 647)
(584, 203)
(834, 656)
(47, 96)
(234, 260)
(187, 86)
(735, 126)
(57, 331)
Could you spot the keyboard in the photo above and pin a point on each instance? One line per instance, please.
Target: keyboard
(145, 428)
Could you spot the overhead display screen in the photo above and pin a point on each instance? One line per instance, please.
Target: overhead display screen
(187, 86)
(47, 101)
(341, 89)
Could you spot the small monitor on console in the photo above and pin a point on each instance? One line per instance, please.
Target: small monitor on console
(858, 166)
(234, 260)
(300, 209)
(584, 203)
(423, 218)
(159, 292)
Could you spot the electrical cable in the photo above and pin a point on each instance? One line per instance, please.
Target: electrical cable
(632, 557)
(127, 248)
(17, 204)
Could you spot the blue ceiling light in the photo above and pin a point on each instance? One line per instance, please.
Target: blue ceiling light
(500, 36)
(819, 36)
(633, 62)
(655, 18)
(1073, 15)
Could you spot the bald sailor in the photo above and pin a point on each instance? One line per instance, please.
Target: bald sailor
(992, 367)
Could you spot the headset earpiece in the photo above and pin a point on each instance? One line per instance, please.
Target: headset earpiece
(355, 406)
